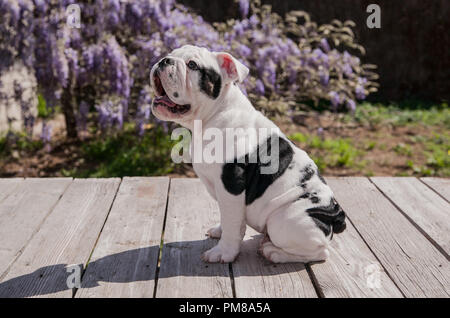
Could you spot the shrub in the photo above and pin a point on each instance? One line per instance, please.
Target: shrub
(297, 60)
(104, 65)
(126, 155)
(338, 152)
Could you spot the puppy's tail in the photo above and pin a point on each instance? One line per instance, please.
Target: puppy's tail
(339, 224)
(329, 218)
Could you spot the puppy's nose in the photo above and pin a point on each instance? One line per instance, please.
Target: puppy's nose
(165, 61)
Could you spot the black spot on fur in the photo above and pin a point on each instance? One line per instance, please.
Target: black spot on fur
(246, 174)
(210, 82)
(164, 62)
(233, 177)
(329, 217)
(314, 199)
(308, 173)
(304, 196)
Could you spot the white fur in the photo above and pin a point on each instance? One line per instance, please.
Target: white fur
(294, 237)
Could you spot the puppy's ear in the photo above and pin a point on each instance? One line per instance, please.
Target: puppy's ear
(232, 70)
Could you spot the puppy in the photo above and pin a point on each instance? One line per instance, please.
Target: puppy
(292, 204)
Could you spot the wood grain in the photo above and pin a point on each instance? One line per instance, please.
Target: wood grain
(23, 211)
(254, 276)
(66, 237)
(190, 213)
(352, 270)
(440, 185)
(421, 204)
(48, 224)
(416, 266)
(8, 186)
(125, 258)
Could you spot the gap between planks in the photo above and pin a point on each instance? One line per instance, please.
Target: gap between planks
(27, 197)
(234, 284)
(190, 213)
(411, 260)
(251, 276)
(67, 234)
(423, 207)
(122, 263)
(439, 185)
(161, 243)
(182, 272)
(75, 290)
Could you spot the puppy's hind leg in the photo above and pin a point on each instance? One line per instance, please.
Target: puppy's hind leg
(294, 238)
(278, 255)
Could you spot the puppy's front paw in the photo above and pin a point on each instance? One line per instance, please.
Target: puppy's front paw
(215, 232)
(220, 254)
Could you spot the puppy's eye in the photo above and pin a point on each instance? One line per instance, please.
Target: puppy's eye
(192, 65)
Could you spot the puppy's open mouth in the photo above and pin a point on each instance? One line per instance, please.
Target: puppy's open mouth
(163, 100)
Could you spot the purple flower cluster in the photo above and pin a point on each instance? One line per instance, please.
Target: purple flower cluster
(143, 111)
(304, 66)
(26, 111)
(46, 134)
(106, 62)
(16, 28)
(244, 6)
(17, 43)
(82, 118)
(110, 114)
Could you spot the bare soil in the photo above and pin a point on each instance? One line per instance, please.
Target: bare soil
(380, 160)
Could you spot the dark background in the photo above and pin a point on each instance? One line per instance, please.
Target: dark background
(411, 48)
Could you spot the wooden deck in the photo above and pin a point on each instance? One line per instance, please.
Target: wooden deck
(143, 237)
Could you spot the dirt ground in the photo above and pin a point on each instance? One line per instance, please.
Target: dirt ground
(381, 160)
(377, 145)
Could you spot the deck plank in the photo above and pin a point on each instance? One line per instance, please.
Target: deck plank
(440, 185)
(67, 217)
(415, 265)
(66, 237)
(190, 213)
(258, 278)
(421, 204)
(8, 186)
(352, 270)
(124, 261)
(23, 211)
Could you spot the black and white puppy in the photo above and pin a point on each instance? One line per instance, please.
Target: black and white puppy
(292, 205)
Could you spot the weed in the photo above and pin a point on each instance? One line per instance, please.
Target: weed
(403, 149)
(18, 141)
(43, 111)
(126, 155)
(369, 173)
(370, 145)
(3, 146)
(338, 152)
(375, 115)
(437, 152)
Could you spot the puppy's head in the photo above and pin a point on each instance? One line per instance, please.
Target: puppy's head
(190, 80)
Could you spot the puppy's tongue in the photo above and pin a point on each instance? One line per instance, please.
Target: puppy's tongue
(165, 100)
